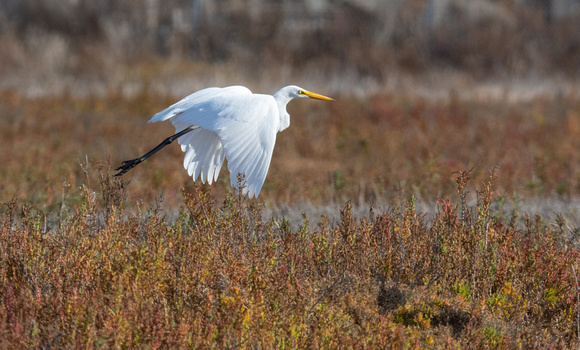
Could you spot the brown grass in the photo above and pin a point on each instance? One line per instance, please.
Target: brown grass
(157, 261)
(89, 260)
(220, 276)
(380, 148)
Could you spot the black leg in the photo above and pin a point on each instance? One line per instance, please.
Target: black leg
(130, 164)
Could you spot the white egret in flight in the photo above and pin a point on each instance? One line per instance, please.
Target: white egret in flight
(231, 122)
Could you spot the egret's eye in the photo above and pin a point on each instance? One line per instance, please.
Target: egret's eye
(301, 92)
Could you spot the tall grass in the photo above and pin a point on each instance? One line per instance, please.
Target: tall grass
(219, 275)
(87, 260)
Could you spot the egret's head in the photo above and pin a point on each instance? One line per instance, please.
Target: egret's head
(285, 95)
(289, 92)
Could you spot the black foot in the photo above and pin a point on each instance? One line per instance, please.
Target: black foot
(128, 165)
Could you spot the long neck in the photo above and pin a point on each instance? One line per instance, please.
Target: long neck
(282, 98)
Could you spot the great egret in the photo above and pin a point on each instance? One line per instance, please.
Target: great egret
(229, 122)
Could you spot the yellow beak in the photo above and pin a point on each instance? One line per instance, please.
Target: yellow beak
(317, 96)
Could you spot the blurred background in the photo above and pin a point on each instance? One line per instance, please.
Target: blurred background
(346, 46)
(424, 89)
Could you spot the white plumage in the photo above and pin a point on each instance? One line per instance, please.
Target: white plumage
(230, 123)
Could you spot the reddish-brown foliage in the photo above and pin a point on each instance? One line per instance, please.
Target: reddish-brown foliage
(220, 276)
(371, 149)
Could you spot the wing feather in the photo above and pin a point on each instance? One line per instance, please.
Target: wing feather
(235, 124)
(203, 154)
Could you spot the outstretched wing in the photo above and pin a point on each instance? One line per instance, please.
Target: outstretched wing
(234, 123)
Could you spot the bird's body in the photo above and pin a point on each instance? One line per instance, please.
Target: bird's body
(232, 123)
